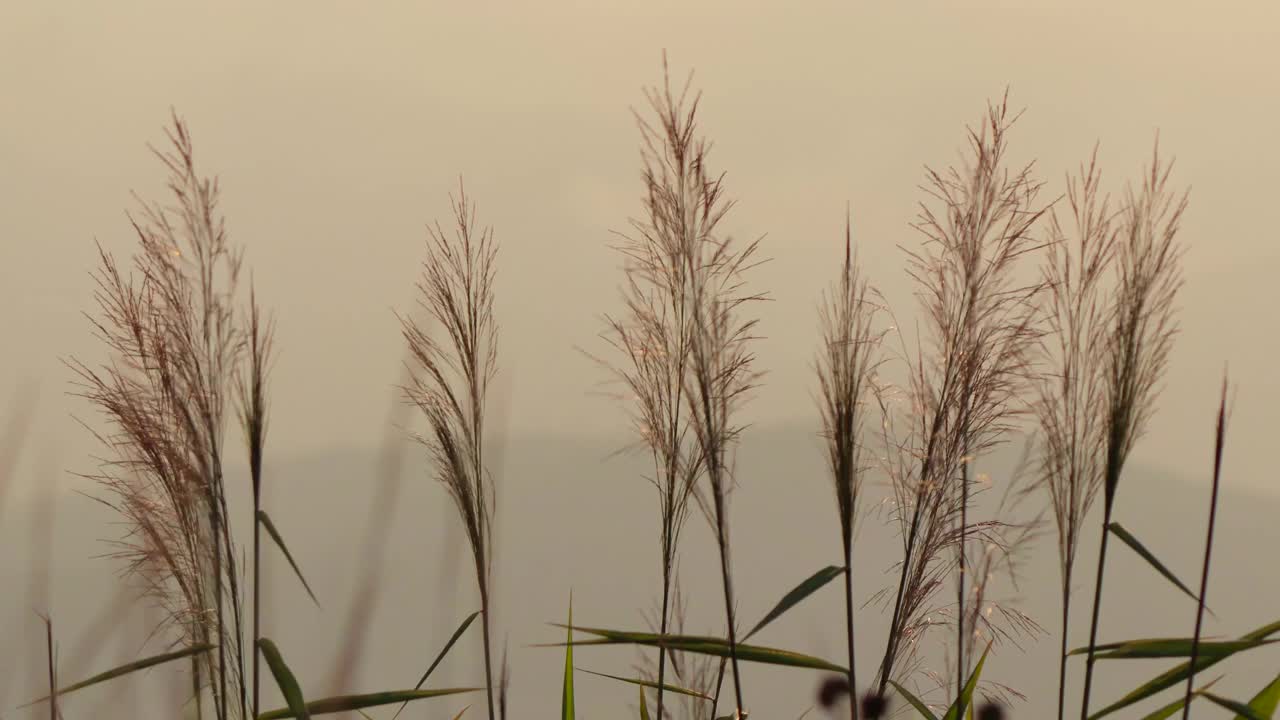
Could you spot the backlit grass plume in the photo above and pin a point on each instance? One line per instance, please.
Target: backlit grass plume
(690, 204)
(964, 388)
(1071, 395)
(251, 388)
(449, 382)
(175, 342)
(1140, 332)
(655, 333)
(846, 366)
(684, 337)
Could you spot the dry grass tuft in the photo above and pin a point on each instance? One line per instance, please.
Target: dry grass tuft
(964, 390)
(449, 381)
(175, 344)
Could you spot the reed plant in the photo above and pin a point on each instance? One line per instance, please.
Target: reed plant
(450, 374)
(847, 364)
(175, 345)
(1034, 314)
(684, 337)
(965, 385)
(1141, 326)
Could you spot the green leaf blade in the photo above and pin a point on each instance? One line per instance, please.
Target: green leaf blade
(1171, 648)
(566, 695)
(797, 594)
(356, 703)
(1266, 701)
(1134, 544)
(439, 657)
(1235, 706)
(265, 520)
(914, 701)
(127, 668)
(650, 684)
(705, 645)
(966, 695)
(287, 683)
(1177, 674)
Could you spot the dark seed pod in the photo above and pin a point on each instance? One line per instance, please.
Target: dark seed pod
(831, 690)
(874, 706)
(991, 711)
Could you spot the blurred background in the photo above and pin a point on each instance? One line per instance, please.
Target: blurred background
(338, 130)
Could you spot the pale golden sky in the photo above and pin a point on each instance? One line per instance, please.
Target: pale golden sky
(338, 128)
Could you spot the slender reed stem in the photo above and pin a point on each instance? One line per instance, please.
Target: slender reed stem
(195, 686)
(257, 585)
(1219, 439)
(848, 624)
(488, 662)
(662, 650)
(727, 577)
(891, 645)
(53, 680)
(715, 699)
(220, 701)
(960, 632)
(1097, 610)
(1062, 653)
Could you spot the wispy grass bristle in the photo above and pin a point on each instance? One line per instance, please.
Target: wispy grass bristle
(449, 382)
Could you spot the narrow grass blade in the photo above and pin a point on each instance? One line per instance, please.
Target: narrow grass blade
(1170, 648)
(445, 651)
(285, 680)
(1178, 674)
(461, 712)
(1172, 708)
(1169, 710)
(354, 703)
(1265, 702)
(811, 585)
(127, 668)
(914, 701)
(650, 684)
(705, 645)
(1128, 539)
(566, 696)
(966, 696)
(644, 708)
(275, 535)
(1235, 706)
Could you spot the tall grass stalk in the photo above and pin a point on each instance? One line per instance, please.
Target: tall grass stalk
(964, 390)
(1140, 336)
(1219, 441)
(175, 344)
(449, 382)
(1071, 395)
(685, 340)
(846, 366)
(251, 384)
(655, 333)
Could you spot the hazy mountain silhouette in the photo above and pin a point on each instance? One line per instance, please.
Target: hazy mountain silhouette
(573, 516)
